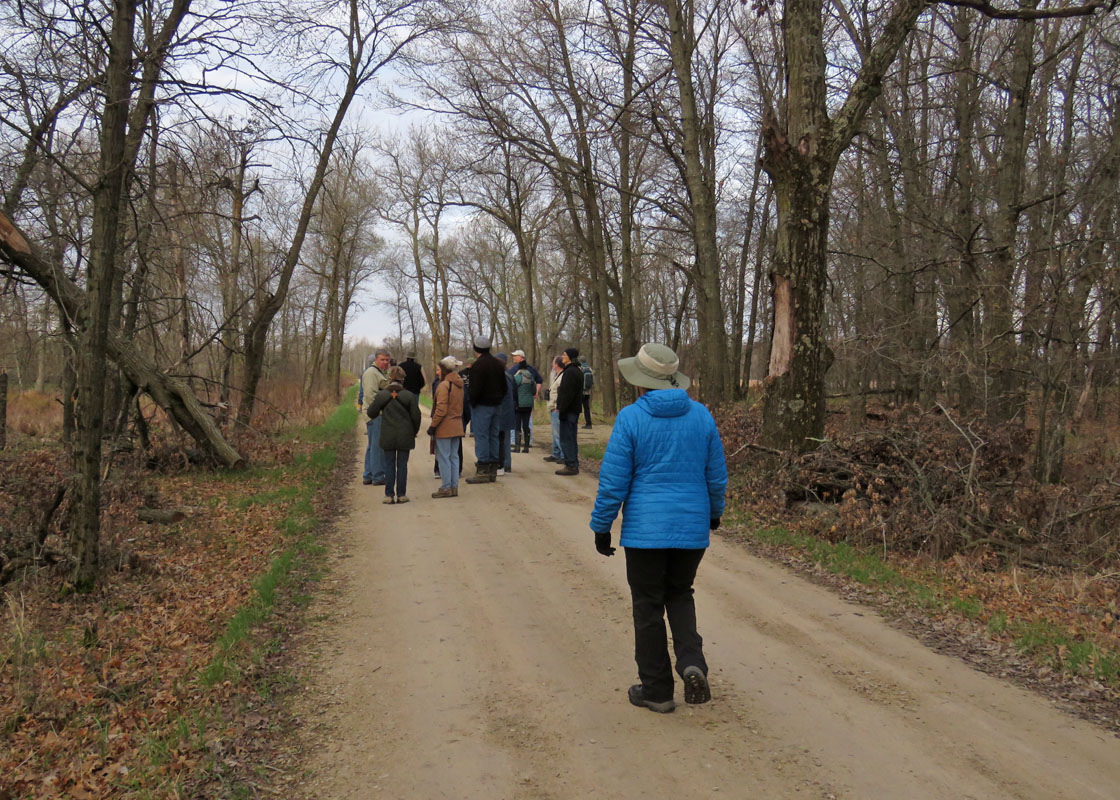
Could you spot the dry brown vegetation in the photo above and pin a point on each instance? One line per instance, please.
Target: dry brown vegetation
(108, 694)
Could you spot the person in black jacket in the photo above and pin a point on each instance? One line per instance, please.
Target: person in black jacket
(569, 402)
(414, 379)
(486, 390)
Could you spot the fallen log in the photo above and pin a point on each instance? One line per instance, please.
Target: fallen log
(161, 516)
(170, 394)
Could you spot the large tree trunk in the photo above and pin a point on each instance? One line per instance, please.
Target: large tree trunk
(93, 335)
(801, 160)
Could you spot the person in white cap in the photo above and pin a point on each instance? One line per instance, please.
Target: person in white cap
(664, 464)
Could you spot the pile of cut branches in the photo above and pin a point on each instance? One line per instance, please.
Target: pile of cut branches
(928, 482)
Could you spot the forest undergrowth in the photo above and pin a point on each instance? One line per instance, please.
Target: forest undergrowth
(154, 684)
(922, 511)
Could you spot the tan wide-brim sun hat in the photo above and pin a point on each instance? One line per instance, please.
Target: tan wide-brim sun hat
(654, 367)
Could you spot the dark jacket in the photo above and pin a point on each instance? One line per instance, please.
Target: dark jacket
(487, 385)
(507, 416)
(400, 417)
(413, 376)
(569, 397)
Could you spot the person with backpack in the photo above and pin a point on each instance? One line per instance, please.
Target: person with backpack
(399, 411)
(588, 382)
(526, 392)
(414, 378)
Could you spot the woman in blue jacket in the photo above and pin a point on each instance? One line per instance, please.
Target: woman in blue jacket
(664, 468)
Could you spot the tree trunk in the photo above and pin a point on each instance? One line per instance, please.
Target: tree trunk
(699, 142)
(93, 335)
(1006, 398)
(3, 410)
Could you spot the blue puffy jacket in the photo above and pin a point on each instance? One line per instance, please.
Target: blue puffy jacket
(664, 467)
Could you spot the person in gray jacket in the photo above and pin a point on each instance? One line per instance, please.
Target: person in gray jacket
(399, 410)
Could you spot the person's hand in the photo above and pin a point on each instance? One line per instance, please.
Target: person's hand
(431, 430)
(603, 543)
(714, 523)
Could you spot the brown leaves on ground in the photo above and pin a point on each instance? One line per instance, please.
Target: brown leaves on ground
(99, 692)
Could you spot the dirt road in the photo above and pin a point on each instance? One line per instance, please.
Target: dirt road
(480, 648)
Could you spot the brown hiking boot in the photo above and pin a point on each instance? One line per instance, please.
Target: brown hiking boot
(448, 492)
(568, 471)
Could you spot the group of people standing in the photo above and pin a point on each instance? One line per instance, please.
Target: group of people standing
(663, 469)
(494, 397)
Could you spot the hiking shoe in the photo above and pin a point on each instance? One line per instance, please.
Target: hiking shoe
(566, 470)
(379, 483)
(388, 500)
(551, 459)
(448, 492)
(696, 689)
(402, 499)
(637, 697)
(367, 481)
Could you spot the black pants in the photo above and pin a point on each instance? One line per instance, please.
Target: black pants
(661, 585)
(587, 410)
(569, 423)
(522, 428)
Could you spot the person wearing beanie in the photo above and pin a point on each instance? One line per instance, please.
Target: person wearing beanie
(664, 468)
(569, 402)
(486, 390)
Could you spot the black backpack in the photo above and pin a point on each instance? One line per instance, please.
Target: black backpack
(588, 377)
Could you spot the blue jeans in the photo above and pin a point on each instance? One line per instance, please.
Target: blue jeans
(568, 425)
(505, 457)
(375, 456)
(447, 455)
(485, 424)
(557, 453)
(396, 472)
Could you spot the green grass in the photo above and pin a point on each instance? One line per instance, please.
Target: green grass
(593, 450)
(1042, 640)
(299, 562)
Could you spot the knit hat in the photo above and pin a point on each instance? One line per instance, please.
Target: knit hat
(654, 367)
(481, 343)
(502, 357)
(572, 353)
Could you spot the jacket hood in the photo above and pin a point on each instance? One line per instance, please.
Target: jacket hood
(454, 379)
(665, 402)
